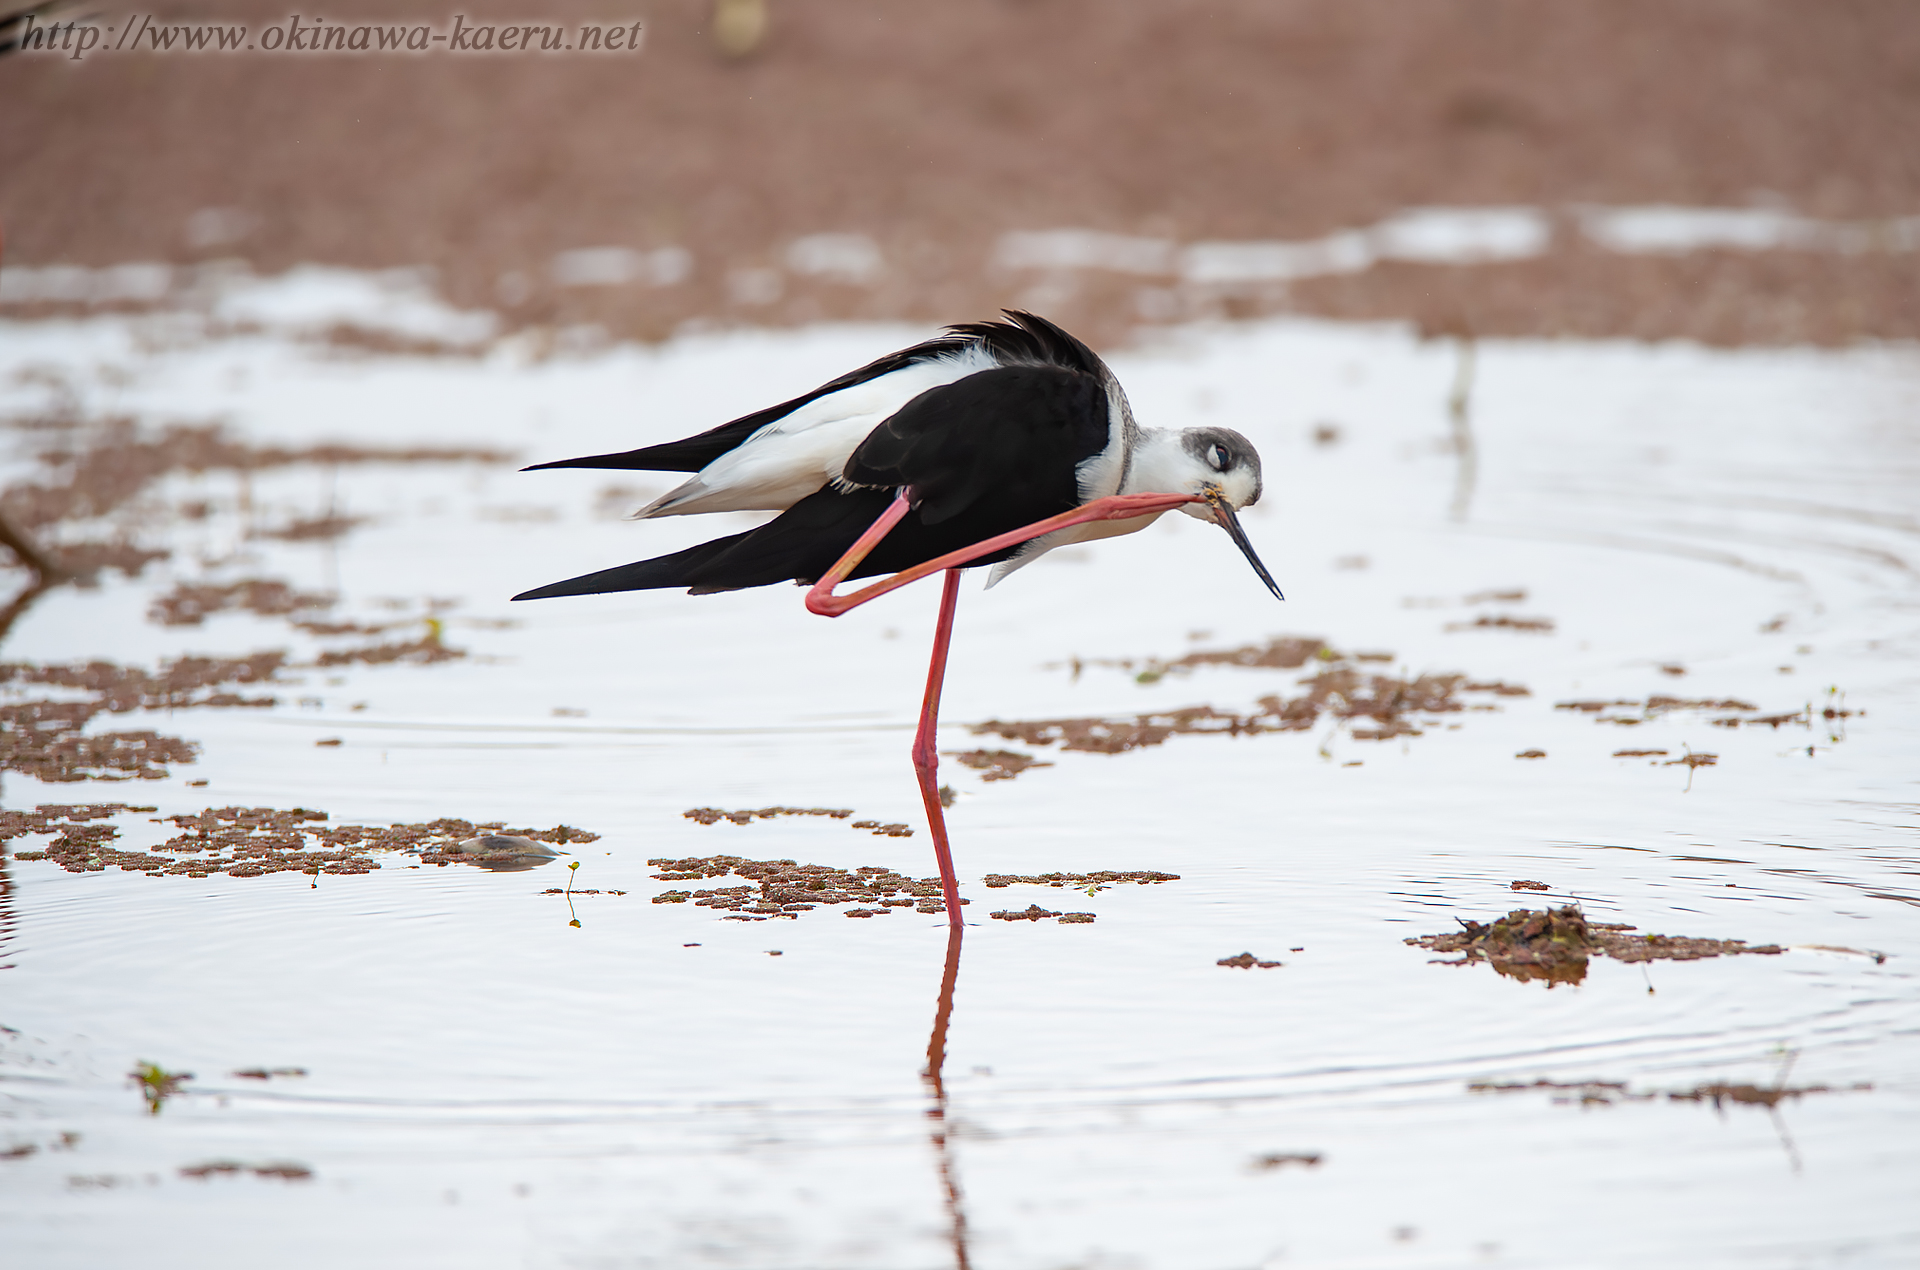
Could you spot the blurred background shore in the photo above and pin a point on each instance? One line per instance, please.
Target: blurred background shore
(1730, 172)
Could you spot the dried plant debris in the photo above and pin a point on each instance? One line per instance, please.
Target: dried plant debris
(246, 842)
(1505, 622)
(1377, 707)
(746, 816)
(783, 888)
(425, 651)
(284, 1170)
(1247, 961)
(1629, 714)
(192, 603)
(1034, 913)
(1281, 1159)
(1606, 1093)
(269, 1073)
(997, 765)
(315, 529)
(1555, 944)
(46, 737)
(1092, 883)
(713, 815)
(1523, 884)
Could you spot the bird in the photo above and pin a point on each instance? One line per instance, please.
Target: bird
(990, 444)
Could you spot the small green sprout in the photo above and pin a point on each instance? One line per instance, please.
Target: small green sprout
(157, 1084)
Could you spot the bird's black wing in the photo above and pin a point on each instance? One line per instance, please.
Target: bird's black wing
(979, 457)
(1002, 446)
(1023, 339)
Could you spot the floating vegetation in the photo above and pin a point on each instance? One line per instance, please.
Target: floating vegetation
(997, 765)
(1522, 884)
(713, 816)
(268, 1073)
(1034, 913)
(120, 464)
(1093, 882)
(425, 651)
(284, 1170)
(782, 888)
(45, 738)
(1505, 622)
(1282, 1159)
(191, 603)
(245, 842)
(1555, 944)
(1606, 1093)
(1378, 706)
(1247, 961)
(1617, 712)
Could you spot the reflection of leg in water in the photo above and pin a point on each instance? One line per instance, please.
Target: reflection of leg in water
(937, 1113)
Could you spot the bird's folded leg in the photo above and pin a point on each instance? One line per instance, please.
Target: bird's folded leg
(823, 601)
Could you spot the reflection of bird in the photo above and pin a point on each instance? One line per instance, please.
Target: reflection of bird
(989, 445)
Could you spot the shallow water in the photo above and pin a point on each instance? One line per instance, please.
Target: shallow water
(488, 1085)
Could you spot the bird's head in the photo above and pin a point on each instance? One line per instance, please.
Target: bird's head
(1222, 466)
(1219, 466)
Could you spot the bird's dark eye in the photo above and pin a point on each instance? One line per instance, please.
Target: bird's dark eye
(1218, 457)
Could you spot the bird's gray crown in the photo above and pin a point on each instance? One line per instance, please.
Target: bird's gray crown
(1224, 450)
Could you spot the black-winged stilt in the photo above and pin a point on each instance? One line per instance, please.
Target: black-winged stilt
(992, 444)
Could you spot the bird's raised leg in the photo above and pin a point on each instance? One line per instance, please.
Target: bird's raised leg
(823, 601)
(926, 755)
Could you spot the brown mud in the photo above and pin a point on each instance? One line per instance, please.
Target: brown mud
(1554, 945)
(783, 888)
(245, 842)
(1237, 120)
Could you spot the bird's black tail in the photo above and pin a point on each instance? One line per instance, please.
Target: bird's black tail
(797, 546)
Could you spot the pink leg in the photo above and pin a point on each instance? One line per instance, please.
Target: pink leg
(926, 759)
(926, 756)
(823, 601)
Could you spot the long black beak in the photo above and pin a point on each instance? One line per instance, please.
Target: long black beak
(1224, 516)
